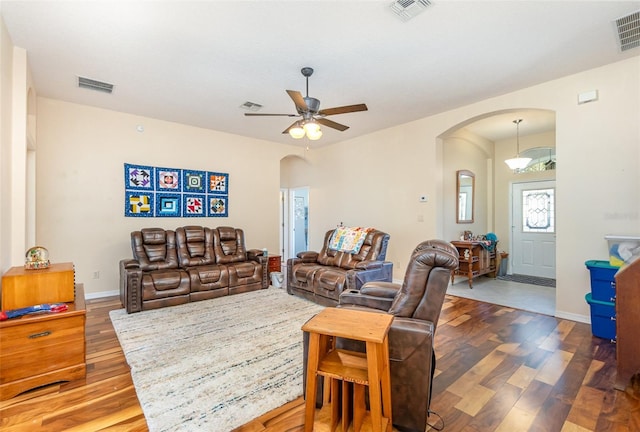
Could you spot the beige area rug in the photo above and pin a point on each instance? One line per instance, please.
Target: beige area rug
(217, 364)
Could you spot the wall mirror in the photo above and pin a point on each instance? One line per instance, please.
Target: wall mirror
(465, 185)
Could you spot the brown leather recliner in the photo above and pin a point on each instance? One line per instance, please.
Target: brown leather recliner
(416, 306)
(244, 267)
(196, 254)
(154, 271)
(322, 276)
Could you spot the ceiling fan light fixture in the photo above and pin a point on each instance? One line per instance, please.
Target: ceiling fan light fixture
(296, 131)
(313, 136)
(311, 127)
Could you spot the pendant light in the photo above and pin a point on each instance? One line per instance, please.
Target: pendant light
(518, 163)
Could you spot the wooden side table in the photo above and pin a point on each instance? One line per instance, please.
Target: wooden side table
(41, 349)
(369, 369)
(273, 263)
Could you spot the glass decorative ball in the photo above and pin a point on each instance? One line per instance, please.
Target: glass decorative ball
(36, 257)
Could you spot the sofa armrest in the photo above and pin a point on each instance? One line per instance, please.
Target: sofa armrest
(381, 289)
(356, 278)
(308, 256)
(254, 253)
(355, 298)
(257, 256)
(131, 285)
(368, 265)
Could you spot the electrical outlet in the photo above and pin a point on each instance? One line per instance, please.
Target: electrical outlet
(96, 274)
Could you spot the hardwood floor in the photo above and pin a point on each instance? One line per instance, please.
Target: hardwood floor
(498, 369)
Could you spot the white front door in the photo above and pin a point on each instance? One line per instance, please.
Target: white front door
(533, 230)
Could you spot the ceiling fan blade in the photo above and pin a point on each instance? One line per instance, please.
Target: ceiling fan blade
(343, 109)
(301, 105)
(332, 124)
(260, 114)
(286, 131)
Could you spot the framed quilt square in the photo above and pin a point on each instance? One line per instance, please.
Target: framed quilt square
(194, 205)
(139, 177)
(194, 181)
(138, 204)
(218, 183)
(168, 179)
(168, 205)
(218, 206)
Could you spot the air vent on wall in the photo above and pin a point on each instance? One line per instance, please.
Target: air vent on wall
(407, 9)
(629, 31)
(94, 85)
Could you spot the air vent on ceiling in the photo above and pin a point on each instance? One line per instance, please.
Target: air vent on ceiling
(629, 31)
(94, 85)
(251, 106)
(407, 9)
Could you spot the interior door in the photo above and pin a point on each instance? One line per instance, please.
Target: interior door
(533, 229)
(299, 217)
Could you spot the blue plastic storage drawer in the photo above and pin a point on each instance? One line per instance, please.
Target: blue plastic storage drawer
(603, 282)
(603, 318)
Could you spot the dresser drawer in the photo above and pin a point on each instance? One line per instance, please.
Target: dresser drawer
(273, 263)
(41, 346)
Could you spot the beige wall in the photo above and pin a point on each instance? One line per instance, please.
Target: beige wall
(17, 189)
(6, 71)
(80, 183)
(373, 180)
(598, 176)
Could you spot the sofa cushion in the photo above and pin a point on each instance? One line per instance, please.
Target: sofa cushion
(329, 282)
(164, 283)
(229, 245)
(195, 246)
(244, 273)
(303, 275)
(208, 277)
(154, 249)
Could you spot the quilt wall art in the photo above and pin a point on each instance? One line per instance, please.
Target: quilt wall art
(174, 192)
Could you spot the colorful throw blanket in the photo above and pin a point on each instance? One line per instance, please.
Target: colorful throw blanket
(350, 240)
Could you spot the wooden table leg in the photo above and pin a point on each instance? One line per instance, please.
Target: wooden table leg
(312, 381)
(375, 397)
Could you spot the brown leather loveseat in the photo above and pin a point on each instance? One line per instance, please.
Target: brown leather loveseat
(323, 276)
(189, 264)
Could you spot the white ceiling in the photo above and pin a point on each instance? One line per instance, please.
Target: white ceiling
(197, 62)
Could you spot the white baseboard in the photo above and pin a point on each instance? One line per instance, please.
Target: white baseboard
(95, 295)
(573, 317)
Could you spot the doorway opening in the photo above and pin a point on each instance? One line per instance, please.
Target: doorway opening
(294, 215)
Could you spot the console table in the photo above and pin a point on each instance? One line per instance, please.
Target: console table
(474, 260)
(41, 349)
(370, 369)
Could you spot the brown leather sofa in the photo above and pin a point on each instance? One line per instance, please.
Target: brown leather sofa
(189, 264)
(416, 306)
(323, 276)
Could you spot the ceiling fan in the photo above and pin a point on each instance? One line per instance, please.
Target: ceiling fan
(309, 109)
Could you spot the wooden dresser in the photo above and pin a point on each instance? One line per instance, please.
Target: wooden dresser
(627, 322)
(474, 260)
(41, 349)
